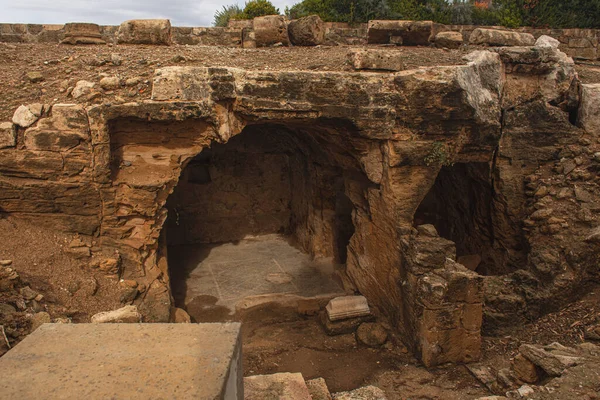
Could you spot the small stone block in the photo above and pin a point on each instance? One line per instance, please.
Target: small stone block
(347, 307)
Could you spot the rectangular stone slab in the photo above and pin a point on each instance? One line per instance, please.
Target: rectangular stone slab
(347, 307)
(125, 361)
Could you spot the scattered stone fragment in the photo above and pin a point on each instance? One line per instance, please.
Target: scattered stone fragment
(132, 81)
(363, 393)
(450, 39)
(318, 389)
(524, 369)
(552, 364)
(371, 334)
(525, 391)
(485, 375)
(345, 307)
(125, 314)
(178, 58)
(180, 316)
(116, 59)
(110, 83)
(128, 295)
(7, 309)
(82, 88)
(35, 76)
(6, 263)
(276, 386)
(38, 319)
(28, 293)
(378, 60)
(427, 230)
(25, 116)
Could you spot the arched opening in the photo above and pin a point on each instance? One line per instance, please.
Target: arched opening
(461, 205)
(265, 214)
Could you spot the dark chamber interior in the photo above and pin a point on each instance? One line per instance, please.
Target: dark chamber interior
(461, 205)
(269, 179)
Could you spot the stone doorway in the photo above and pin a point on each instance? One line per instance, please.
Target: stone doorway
(463, 207)
(261, 218)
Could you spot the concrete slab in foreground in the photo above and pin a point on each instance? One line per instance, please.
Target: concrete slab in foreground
(125, 361)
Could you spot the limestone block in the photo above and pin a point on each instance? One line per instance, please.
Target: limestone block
(413, 33)
(66, 128)
(347, 307)
(8, 137)
(495, 37)
(552, 364)
(376, 60)
(145, 31)
(125, 361)
(270, 30)
(26, 116)
(307, 31)
(82, 33)
(289, 386)
(589, 108)
(121, 315)
(547, 41)
(450, 39)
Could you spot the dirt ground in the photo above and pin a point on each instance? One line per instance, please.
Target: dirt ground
(71, 290)
(62, 66)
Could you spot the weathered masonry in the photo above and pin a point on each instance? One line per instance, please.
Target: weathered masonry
(455, 196)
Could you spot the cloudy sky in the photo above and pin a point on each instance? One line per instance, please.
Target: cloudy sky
(113, 12)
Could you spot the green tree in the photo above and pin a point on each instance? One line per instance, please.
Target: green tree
(351, 11)
(258, 8)
(223, 16)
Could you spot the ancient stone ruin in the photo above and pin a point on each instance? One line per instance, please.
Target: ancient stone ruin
(457, 199)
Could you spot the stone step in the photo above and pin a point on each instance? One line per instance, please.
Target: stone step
(281, 386)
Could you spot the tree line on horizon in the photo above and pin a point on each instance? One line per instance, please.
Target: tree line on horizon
(508, 13)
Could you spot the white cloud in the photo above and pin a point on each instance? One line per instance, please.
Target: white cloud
(113, 12)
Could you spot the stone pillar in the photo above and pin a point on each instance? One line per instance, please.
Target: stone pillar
(445, 300)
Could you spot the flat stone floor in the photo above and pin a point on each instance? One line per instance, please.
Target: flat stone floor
(231, 272)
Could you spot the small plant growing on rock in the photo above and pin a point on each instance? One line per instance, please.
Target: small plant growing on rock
(438, 155)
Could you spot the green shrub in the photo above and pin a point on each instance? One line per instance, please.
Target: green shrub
(223, 16)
